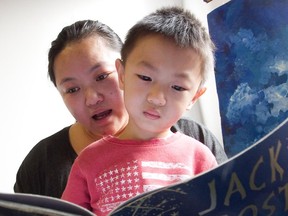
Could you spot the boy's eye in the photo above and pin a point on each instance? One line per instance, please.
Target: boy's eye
(178, 88)
(102, 76)
(72, 90)
(145, 78)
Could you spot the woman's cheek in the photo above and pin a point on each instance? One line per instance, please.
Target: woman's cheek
(73, 105)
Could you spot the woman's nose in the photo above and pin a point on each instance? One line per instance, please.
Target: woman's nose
(92, 97)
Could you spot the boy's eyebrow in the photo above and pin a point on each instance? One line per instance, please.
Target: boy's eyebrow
(182, 75)
(147, 65)
(150, 66)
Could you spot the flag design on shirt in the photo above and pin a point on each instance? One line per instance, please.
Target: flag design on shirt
(157, 174)
(124, 181)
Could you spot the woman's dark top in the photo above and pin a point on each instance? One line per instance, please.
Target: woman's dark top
(46, 168)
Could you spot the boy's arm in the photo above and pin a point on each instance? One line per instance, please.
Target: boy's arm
(76, 190)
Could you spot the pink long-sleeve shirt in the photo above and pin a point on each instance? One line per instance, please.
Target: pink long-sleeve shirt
(111, 171)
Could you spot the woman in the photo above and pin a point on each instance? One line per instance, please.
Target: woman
(82, 68)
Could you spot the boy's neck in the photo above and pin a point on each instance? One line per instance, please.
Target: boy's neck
(134, 133)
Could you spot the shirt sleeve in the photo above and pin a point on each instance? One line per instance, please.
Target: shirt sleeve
(46, 167)
(27, 179)
(76, 190)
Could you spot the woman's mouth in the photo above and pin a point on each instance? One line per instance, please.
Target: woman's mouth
(102, 115)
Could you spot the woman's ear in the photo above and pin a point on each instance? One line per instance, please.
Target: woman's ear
(200, 92)
(120, 71)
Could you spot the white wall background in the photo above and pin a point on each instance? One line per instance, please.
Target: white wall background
(31, 108)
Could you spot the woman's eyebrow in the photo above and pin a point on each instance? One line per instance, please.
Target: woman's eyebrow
(100, 65)
(66, 79)
(90, 70)
(96, 67)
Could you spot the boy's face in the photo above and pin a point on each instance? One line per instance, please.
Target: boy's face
(160, 82)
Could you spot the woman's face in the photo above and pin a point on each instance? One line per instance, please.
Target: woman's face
(87, 80)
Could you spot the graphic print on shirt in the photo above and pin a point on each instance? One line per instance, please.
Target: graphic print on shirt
(124, 181)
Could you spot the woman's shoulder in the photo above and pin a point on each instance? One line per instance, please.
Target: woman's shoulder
(202, 134)
(61, 135)
(57, 143)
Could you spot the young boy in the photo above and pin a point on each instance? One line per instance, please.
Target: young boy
(165, 61)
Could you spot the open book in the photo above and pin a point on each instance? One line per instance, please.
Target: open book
(254, 182)
(38, 205)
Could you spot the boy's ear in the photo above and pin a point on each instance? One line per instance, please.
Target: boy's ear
(120, 71)
(200, 92)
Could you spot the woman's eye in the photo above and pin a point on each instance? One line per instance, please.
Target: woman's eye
(145, 78)
(102, 76)
(72, 90)
(178, 88)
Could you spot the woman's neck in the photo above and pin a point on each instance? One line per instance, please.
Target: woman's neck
(80, 137)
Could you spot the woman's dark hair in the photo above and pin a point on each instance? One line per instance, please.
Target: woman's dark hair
(76, 32)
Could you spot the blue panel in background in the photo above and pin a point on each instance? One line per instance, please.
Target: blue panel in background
(251, 37)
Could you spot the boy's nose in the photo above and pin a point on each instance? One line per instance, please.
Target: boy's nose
(156, 97)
